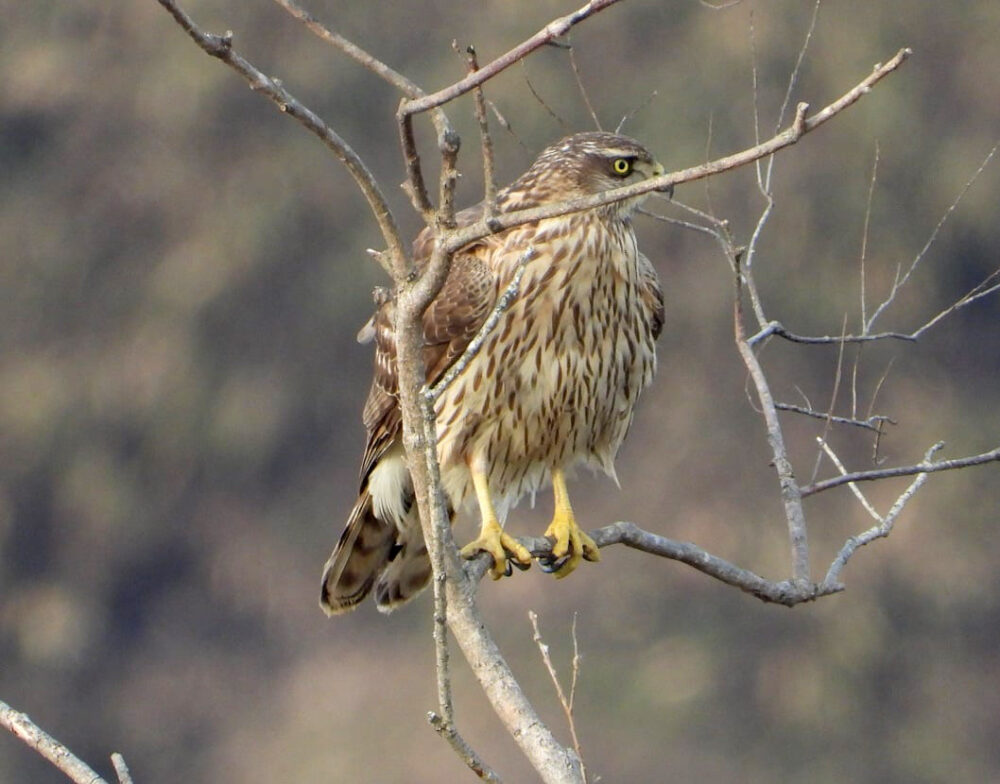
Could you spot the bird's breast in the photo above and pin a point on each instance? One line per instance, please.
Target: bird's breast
(556, 381)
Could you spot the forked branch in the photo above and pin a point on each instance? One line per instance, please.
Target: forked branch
(801, 125)
(553, 30)
(221, 47)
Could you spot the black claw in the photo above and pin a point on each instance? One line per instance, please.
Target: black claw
(549, 563)
(522, 566)
(507, 570)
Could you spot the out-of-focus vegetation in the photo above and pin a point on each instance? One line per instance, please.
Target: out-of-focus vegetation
(181, 278)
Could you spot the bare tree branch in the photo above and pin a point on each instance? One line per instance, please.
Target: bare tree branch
(881, 529)
(55, 752)
(583, 90)
(415, 187)
(475, 345)
(553, 762)
(902, 279)
(790, 493)
(448, 731)
(793, 77)
(635, 110)
(800, 126)
(121, 769)
(221, 47)
(864, 239)
(785, 592)
(551, 31)
(828, 450)
(485, 140)
(873, 423)
(352, 50)
(564, 701)
(454, 581)
(777, 328)
(982, 289)
(927, 466)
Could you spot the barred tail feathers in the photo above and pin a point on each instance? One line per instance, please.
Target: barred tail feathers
(382, 546)
(360, 556)
(409, 569)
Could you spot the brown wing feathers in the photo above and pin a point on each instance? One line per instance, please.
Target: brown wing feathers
(371, 552)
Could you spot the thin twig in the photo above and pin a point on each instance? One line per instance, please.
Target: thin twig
(583, 89)
(221, 47)
(755, 91)
(873, 423)
(862, 281)
(414, 186)
(722, 6)
(575, 666)
(540, 100)
(678, 222)
(853, 486)
(871, 407)
(504, 302)
(708, 156)
(877, 531)
(784, 592)
(864, 236)
(463, 749)
(802, 125)
(444, 218)
(352, 50)
(790, 493)
(901, 280)
(551, 31)
(121, 769)
(564, 701)
(485, 140)
(777, 328)
(505, 124)
(980, 290)
(55, 752)
(925, 467)
(631, 113)
(751, 254)
(793, 77)
(828, 419)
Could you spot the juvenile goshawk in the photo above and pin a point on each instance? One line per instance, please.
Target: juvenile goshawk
(553, 386)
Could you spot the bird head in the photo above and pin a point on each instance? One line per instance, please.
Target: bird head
(584, 164)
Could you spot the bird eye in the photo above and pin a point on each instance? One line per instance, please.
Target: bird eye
(621, 166)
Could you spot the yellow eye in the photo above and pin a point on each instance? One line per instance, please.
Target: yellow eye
(621, 166)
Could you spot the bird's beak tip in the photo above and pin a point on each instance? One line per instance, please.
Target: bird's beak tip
(658, 171)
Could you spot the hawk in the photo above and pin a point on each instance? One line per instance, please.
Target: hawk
(553, 386)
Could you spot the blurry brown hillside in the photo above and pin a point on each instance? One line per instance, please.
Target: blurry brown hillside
(182, 274)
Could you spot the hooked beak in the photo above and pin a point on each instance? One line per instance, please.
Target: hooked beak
(667, 190)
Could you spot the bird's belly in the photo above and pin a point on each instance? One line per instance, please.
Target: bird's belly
(559, 393)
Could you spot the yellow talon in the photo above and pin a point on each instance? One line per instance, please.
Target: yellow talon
(499, 545)
(570, 541)
(492, 538)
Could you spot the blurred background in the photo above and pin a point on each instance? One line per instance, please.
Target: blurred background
(182, 275)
